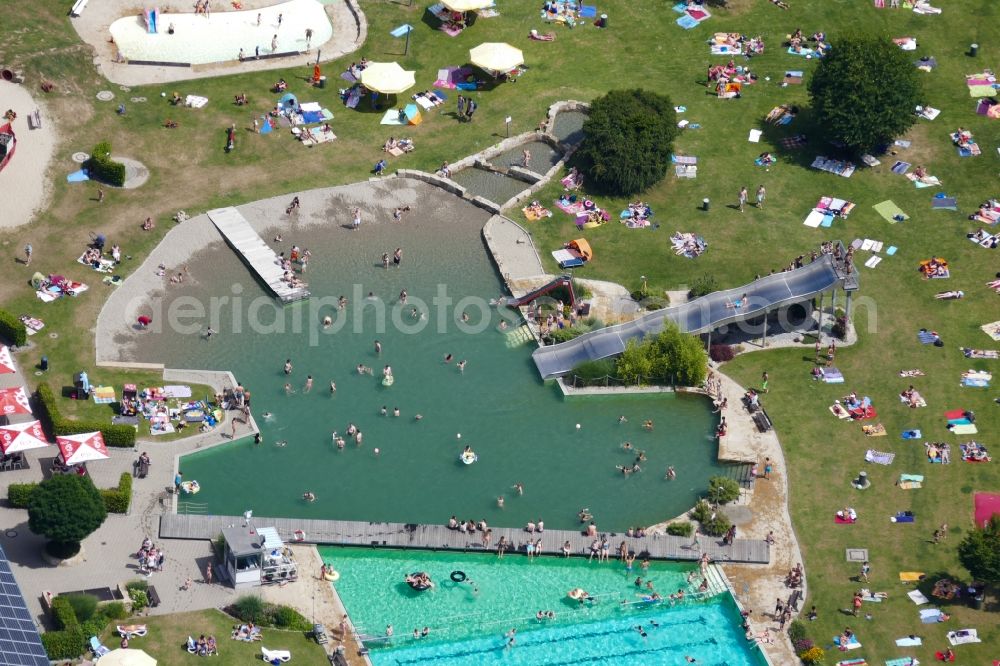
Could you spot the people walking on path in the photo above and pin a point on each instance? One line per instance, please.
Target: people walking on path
(761, 195)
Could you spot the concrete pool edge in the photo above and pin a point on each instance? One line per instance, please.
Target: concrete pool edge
(350, 30)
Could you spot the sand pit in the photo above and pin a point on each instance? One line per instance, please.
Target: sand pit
(23, 181)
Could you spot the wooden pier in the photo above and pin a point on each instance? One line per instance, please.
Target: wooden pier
(255, 253)
(439, 537)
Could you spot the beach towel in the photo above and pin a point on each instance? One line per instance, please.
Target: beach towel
(841, 414)
(588, 11)
(992, 329)
(852, 644)
(965, 429)
(876, 430)
(963, 636)
(837, 167)
(944, 203)
(687, 22)
(391, 117)
(755, 135)
(955, 414)
(928, 112)
(927, 337)
(195, 101)
(873, 262)
(911, 576)
(912, 434)
(903, 661)
(910, 641)
(910, 485)
(959, 421)
(814, 219)
(803, 52)
(900, 167)
(903, 517)
(852, 662)
(793, 142)
(878, 457)
(832, 376)
(840, 520)
(931, 615)
(975, 382)
(890, 212)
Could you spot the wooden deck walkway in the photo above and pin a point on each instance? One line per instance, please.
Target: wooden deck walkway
(255, 253)
(439, 537)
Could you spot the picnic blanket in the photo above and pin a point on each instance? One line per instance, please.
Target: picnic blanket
(890, 212)
(910, 481)
(195, 101)
(981, 84)
(852, 644)
(903, 517)
(963, 636)
(912, 641)
(927, 337)
(693, 16)
(903, 661)
(944, 203)
(832, 376)
(931, 615)
(31, 324)
(534, 214)
(923, 182)
(927, 112)
(992, 330)
(879, 457)
(837, 167)
(793, 142)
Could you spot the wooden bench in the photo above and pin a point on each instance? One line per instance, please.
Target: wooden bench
(154, 597)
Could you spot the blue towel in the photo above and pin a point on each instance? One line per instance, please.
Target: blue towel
(401, 30)
(77, 176)
(312, 117)
(466, 86)
(905, 518)
(440, 94)
(588, 11)
(687, 22)
(827, 220)
(912, 434)
(926, 337)
(265, 127)
(975, 383)
(786, 120)
(680, 7)
(962, 421)
(892, 250)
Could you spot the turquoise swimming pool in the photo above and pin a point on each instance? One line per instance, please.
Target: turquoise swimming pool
(468, 622)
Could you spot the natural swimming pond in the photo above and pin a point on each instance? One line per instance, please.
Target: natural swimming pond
(543, 157)
(522, 430)
(491, 185)
(568, 126)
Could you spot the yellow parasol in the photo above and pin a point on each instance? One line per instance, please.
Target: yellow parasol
(387, 77)
(496, 56)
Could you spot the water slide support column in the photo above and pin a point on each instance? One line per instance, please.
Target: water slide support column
(819, 324)
(847, 308)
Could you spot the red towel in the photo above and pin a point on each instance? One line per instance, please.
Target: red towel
(840, 520)
(955, 414)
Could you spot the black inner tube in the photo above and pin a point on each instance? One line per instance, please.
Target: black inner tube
(458, 576)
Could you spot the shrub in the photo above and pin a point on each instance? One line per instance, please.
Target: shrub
(68, 644)
(684, 529)
(702, 511)
(627, 141)
(721, 353)
(19, 494)
(802, 645)
(66, 509)
(863, 92)
(137, 584)
(565, 334)
(101, 167)
(250, 608)
(813, 655)
(839, 328)
(723, 490)
(797, 632)
(117, 500)
(285, 617)
(669, 354)
(591, 370)
(219, 546)
(717, 526)
(12, 329)
(139, 599)
(120, 436)
(94, 626)
(84, 605)
(702, 286)
(114, 610)
(63, 613)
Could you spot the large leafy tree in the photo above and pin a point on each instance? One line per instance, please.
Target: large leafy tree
(864, 92)
(671, 353)
(979, 552)
(66, 509)
(627, 141)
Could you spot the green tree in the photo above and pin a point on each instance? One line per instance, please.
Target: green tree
(635, 363)
(66, 509)
(669, 354)
(864, 92)
(979, 552)
(723, 490)
(627, 141)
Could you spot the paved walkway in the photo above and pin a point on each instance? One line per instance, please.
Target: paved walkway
(515, 255)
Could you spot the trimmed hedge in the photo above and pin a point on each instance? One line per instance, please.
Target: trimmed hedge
(68, 644)
(12, 329)
(102, 168)
(684, 529)
(19, 494)
(117, 500)
(63, 613)
(119, 436)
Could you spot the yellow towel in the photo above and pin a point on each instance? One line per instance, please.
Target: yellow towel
(910, 576)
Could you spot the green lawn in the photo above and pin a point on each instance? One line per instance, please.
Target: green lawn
(643, 47)
(168, 634)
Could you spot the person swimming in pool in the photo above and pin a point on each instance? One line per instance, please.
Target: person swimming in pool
(309, 496)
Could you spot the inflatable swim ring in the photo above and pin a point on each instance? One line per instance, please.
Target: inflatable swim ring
(190, 487)
(332, 576)
(577, 593)
(458, 576)
(468, 457)
(413, 580)
(388, 380)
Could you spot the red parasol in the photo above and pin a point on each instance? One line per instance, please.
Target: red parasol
(14, 401)
(82, 448)
(21, 437)
(6, 362)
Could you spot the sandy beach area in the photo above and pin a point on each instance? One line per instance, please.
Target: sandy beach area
(23, 183)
